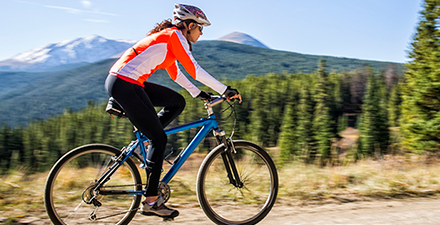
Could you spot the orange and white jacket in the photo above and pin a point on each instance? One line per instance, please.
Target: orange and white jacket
(162, 50)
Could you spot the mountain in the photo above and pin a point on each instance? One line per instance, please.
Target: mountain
(242, 38)
(30, 96)
(67, 54)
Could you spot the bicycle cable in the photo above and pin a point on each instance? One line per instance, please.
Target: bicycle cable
(233, 111)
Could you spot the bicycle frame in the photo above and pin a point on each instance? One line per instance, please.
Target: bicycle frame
(207, 125)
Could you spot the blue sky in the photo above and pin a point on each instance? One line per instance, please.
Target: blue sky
(373, 29)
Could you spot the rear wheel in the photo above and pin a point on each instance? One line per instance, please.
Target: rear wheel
(247, 203)
(70, 194)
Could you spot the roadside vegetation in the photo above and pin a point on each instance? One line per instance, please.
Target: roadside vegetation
(335, 135)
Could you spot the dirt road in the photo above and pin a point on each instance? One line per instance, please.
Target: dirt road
(406, 211)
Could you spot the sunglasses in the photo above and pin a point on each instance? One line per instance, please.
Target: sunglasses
(200, 27)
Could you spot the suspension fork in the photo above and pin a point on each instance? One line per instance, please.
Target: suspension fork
(231, 169)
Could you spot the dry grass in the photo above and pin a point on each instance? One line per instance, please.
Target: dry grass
(391, 177)
(21, 194)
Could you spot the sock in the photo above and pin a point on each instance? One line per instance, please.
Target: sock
(152, 203)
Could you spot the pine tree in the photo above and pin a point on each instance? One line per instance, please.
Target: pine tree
(421, 92)
(369, 114)
(4, 148)
(322, 123)
(260, 110)
(394, 103)
(304, 130)
(277, 88)
(288, 139)
(374, 123)
(383, 135)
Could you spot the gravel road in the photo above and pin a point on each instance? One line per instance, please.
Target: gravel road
(405, 211)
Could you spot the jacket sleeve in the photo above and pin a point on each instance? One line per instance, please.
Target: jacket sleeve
(180, 48)
(180, 78)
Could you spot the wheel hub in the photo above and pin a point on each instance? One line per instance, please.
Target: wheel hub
(90, 195)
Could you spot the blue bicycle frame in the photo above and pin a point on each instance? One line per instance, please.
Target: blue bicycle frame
(207, 125)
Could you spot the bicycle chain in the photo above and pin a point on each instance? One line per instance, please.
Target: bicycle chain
(124, 185)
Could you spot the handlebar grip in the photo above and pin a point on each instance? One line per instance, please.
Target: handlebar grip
(216, 101)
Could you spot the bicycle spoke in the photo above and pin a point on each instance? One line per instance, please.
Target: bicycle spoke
(64, 189)
(219, 199)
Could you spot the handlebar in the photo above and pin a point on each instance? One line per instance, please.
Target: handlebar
(216, 99)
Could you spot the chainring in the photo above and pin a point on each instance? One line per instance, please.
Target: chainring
(164, 191)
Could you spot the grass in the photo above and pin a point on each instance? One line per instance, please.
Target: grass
(21, 193)
(388, 178)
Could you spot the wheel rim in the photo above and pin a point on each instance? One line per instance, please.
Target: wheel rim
(233, 205)
(77, 175)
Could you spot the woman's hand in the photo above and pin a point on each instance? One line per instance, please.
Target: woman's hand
(232, 94)
(205, 96)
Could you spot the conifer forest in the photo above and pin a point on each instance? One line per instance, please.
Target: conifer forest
(301, 114)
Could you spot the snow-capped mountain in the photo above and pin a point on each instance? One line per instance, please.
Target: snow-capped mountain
(91, 49)
(71, 52)
(242, 38)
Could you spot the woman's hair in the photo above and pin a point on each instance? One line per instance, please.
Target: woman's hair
(162, 25)
(167, 24)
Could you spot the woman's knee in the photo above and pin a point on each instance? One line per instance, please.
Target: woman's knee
(161, 138)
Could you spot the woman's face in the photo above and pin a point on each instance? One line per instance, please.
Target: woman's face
(196, 32)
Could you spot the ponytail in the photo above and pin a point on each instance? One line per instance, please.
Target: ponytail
(168, 24)
(160, 26)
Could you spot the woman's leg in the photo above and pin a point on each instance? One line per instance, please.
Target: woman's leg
(140, 110)
(173, 102)
(138, 104)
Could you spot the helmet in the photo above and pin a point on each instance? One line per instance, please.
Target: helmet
(188, 12)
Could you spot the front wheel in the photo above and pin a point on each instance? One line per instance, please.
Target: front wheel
(72, 194)
(246, 203)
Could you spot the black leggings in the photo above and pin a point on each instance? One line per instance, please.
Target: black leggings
(138, 103)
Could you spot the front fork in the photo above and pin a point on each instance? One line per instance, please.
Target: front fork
(231, 169)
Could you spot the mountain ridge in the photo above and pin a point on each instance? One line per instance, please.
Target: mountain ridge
(242, 38)
(85, 50)
(32, 96)
(66, 54)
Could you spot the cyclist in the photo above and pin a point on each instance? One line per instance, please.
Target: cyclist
(164, 45)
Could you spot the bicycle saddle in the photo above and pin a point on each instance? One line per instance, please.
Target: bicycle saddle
(113, 108)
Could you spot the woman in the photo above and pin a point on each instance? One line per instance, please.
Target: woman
(166, 44)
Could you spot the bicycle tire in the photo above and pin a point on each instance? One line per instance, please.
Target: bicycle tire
(63, 196)
(218, 197)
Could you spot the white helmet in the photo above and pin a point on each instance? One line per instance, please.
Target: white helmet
(188, 12)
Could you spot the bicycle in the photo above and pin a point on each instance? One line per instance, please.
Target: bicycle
(234, 175)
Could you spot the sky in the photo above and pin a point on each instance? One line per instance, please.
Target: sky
(372, 30)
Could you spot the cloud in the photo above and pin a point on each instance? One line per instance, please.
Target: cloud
(86, 4)
(67, 9)
(77, 11)
(96, 21)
